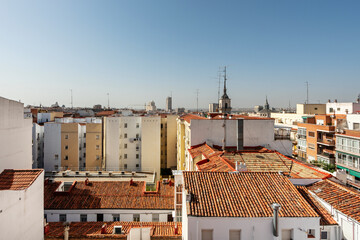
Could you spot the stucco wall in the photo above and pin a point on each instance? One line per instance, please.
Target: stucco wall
(52, 146)
(15, 136)
(22, 212)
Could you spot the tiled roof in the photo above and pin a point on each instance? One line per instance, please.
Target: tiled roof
(111, 194)
(188, 117)
(342, 198)
(233, 116)
(203, 149)
(325, 216)
(92, 230)
(243, 194)
(12, 179)
(263, 160)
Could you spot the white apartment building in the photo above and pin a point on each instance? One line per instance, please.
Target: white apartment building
(342, 108)
(15, 136)
(22, 204)
(353, 121)
(133, 143)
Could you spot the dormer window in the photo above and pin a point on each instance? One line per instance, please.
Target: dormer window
(65, 187)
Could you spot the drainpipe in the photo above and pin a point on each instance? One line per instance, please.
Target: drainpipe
(276, 207)
(66, 230)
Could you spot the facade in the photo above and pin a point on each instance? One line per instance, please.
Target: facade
(168, 104)
(251, 215)
(353, 121)
(15, 136)
(310, 109)
(37, 146)
(168, 141)
(342, 108)
(89, 201)
(213, 107)
(348, 153)
(22, 205)
(71, 145)
(233, 132)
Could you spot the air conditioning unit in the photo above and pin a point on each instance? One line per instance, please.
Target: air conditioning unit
(100, 172)
(87, 174)
(117, 230)
(77, 172)
(110, 173)
(122, 173)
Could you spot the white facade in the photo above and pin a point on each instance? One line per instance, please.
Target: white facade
(288, 119)
(43, 117)
(342, 108)
(126, 215)
(38, 146)
(52, 146)
(353, 121)
(22, 212)
(15, 136)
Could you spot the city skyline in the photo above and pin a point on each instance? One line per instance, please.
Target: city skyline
(143, 51)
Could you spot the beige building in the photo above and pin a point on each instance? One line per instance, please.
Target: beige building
(303, 109)
(168, 141)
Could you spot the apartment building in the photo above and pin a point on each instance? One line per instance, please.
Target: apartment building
(316, 138)
(348, 153)
(37, 145)
(74, 144)
(232, 132)
(343, 107)
(168, 141)
(15, 136)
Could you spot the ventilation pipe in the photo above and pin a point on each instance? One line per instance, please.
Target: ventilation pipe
(276, 207)
(66, 230)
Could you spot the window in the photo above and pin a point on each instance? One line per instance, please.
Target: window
(137, 125)
(286, 234)
(56, 156)
(234, 234)
(100, 217)
(137, 156)
(97, 157)
(125, 135)
(116, 217)
(206, 234)
(84, 134)
(137, 165)
(356, 126)
(83, 218)
(84, 145)
(97, 137)
(125, 156)
(311, 146)
(125, 166)
(162, 126)
(315, 108)
(84, 154)
(324, 235)
(66, 157)
(97, 147)
(62, 218)
(56, 167)
(125, 125)
(66, 147)
(311, 134)
(311, 233)
(338, 109)
(66, 136)
(155, 217)
(136, 217)
(137, 135)
(125, 145)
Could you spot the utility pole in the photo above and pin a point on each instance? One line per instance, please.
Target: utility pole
(108, 100)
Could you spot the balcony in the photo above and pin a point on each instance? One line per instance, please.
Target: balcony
(326, 141)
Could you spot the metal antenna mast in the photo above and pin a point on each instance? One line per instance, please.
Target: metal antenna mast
(108, 100)
(219, 85)
(197, 100)
(307, 92)
(71, 98)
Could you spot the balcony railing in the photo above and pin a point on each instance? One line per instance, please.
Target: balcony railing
(326, 141)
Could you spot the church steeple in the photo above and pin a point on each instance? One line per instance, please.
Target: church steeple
(225, 96)
(267, 106)
(225, 101)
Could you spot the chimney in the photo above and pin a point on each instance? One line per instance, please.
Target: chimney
(335, 101)
(131, 182)
(236, 166)
(329, 101)
(176, 229)
(66, 230)
(103, 229)
(87, 182)
(358, 100)
(276, 207)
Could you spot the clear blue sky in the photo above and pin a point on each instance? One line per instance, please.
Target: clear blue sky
(140, 51)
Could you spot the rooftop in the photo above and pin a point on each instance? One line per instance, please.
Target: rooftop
(18, 179)
(253, 160)
(325, 216)
(109, 195)
(243, 194)
(91, 230)
(344, 199)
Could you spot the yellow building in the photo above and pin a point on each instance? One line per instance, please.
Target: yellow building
(93, 145)
(180, 144)
(70, 146)
(168, 141)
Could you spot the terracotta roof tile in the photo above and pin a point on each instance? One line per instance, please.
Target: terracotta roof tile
(326, 218)
(342, 198)
(13, 179)
(188, 117)
(243, 194)
(92, 230)
(112, 194)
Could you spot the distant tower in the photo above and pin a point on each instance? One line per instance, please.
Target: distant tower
(225, 101)
(266, 111)
(169, 104)
(267, 106)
